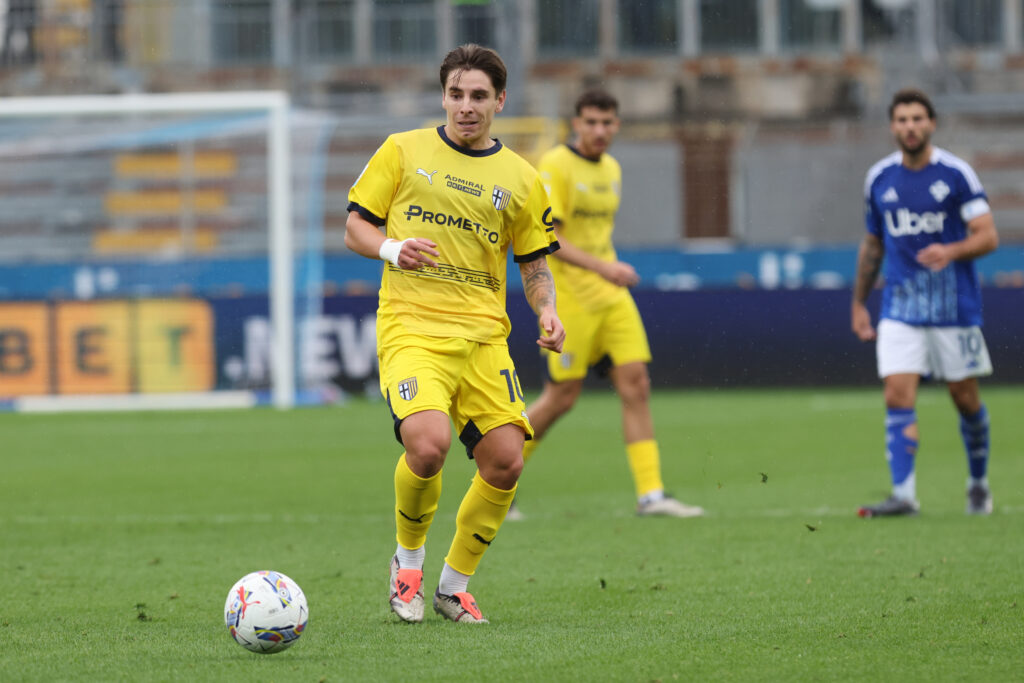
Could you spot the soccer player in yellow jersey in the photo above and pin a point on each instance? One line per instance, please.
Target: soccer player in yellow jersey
(453, 201)
(594, 302)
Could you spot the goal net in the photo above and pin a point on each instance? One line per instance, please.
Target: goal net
(146, 238)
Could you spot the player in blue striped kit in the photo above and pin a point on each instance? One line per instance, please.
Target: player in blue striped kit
(928, 216)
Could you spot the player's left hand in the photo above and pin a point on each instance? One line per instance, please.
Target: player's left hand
(621, 273)
(552, 333)
(935, 257)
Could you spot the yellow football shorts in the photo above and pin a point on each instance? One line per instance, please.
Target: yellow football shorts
(475, 384)
(615, 331)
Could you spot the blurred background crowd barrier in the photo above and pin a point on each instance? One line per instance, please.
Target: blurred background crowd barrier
(748, 126)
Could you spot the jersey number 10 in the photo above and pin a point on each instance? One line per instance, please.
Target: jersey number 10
(514, 390)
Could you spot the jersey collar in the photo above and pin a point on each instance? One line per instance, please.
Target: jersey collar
(581, 155)
(466, 150)
(933, 159)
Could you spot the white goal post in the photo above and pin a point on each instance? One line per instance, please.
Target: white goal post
(276, 106)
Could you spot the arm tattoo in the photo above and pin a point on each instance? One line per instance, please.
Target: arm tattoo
(869, 262)
(538, 284)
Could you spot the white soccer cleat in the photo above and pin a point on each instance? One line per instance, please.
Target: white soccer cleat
(514, 514)
(460, 608)
(668, 507)
(406, 592)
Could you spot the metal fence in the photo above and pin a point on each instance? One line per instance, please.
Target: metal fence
(209, 33)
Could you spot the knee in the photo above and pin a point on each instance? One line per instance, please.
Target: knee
(512, 467)
(556, 399)
(564, 398)
(897, 397)
(966, 399)
(425, 456)
(502, 471)
(636, 390)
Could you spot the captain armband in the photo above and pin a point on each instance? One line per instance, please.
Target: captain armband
(974, 208)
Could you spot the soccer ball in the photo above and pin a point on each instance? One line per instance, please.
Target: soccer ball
(266, 612)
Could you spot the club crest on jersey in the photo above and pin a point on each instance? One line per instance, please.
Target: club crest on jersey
(407, 388)
(939, 190)
(500, 197)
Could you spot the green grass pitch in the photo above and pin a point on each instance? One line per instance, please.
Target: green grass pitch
(120, 535)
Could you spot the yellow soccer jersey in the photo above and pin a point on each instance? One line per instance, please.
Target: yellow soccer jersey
(584, 198)
(473, 204)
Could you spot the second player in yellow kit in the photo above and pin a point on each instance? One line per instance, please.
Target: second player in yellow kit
(594, 303)
(602, 315)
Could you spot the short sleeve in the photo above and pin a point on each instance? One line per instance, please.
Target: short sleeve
(375, 187)
(552, 176)
(872, 217)
(973, 200)
(533, 233)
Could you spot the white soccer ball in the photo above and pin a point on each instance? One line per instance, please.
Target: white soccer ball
(266, 612)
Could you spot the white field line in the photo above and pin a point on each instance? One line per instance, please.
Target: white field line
(221, 519)
(135, 402)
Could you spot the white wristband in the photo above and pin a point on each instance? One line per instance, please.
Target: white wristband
(390, 249)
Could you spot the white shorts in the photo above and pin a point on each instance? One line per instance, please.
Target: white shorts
(942, 353)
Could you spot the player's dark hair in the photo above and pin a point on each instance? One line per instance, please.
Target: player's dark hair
(472, 56)
(596, 97)
(912, 96)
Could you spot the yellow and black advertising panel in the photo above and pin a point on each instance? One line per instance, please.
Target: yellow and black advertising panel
(106, 347)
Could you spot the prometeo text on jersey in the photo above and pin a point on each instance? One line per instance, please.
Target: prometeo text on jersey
(909, 223)
(447, 220)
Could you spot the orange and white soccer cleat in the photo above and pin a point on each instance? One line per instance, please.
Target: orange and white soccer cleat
(406, 592)
(460, 608)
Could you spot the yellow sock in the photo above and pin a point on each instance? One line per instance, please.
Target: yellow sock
(480, 516)
(528, 448)
(415, 504)
(645, 465)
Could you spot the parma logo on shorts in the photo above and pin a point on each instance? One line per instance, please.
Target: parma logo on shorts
(407, 388)
(500, 197)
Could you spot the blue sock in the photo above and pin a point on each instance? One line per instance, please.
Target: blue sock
(974, 430)
(900, 449)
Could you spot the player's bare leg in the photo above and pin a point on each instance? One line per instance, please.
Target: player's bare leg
(966, 395)
(499, 462)
(633, 384)
(974, 429)
(427, 438)
(901, 390)
(555, 400)
(499, 456)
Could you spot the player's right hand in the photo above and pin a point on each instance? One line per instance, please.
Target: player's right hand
(860, 322)
(416, 253)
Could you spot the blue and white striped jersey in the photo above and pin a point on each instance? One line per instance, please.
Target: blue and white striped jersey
(908, 210)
